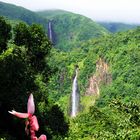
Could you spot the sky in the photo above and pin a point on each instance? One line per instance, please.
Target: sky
(127, 11)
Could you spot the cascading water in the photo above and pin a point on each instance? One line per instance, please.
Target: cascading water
(75, 98)
(50, 31)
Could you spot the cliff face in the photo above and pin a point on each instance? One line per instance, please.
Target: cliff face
(101, 76)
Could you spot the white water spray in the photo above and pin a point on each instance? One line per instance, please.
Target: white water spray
(75, 96)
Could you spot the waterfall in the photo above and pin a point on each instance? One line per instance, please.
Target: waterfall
(50, 31)
(75, 98)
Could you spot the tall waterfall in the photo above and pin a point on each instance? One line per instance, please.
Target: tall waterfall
(50, 31)
(75, 98)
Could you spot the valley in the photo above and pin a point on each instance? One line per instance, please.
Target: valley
(84, 75)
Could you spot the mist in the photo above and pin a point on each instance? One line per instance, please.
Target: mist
(126, 11)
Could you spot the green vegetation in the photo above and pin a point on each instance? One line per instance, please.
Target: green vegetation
(21, 14)
(29, 64)
(4, 34)
(117, 27)
(115, 114)
(52, 13)
(72, 29)
(24, 70)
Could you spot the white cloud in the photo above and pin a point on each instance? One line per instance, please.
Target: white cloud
(109, 10)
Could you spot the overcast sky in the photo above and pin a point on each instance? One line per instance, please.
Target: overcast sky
(98, 10)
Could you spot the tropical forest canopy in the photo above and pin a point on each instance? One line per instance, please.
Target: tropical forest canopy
(108, 77)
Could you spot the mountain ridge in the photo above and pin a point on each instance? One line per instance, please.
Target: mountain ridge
(73, 28)
(118, 26)
(12, 11)
(108, 64)
(69, 29)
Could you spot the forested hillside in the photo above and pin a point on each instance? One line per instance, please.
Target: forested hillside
(19, 13)
(117, 27)
(24, 69)
(71, 29)
(114, 113)
(107, 68)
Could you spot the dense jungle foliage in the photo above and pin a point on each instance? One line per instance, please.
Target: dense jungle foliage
(19, 13)
(70, 29)
(24, 51)
(73, 28)
(30, 64)
(115, 113)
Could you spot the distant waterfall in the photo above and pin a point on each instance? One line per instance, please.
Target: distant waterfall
(75, 98)
(50, 31)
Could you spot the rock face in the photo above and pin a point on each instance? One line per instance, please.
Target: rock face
(101, 76)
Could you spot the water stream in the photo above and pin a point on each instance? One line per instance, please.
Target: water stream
(50, 31)
(75, 96)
